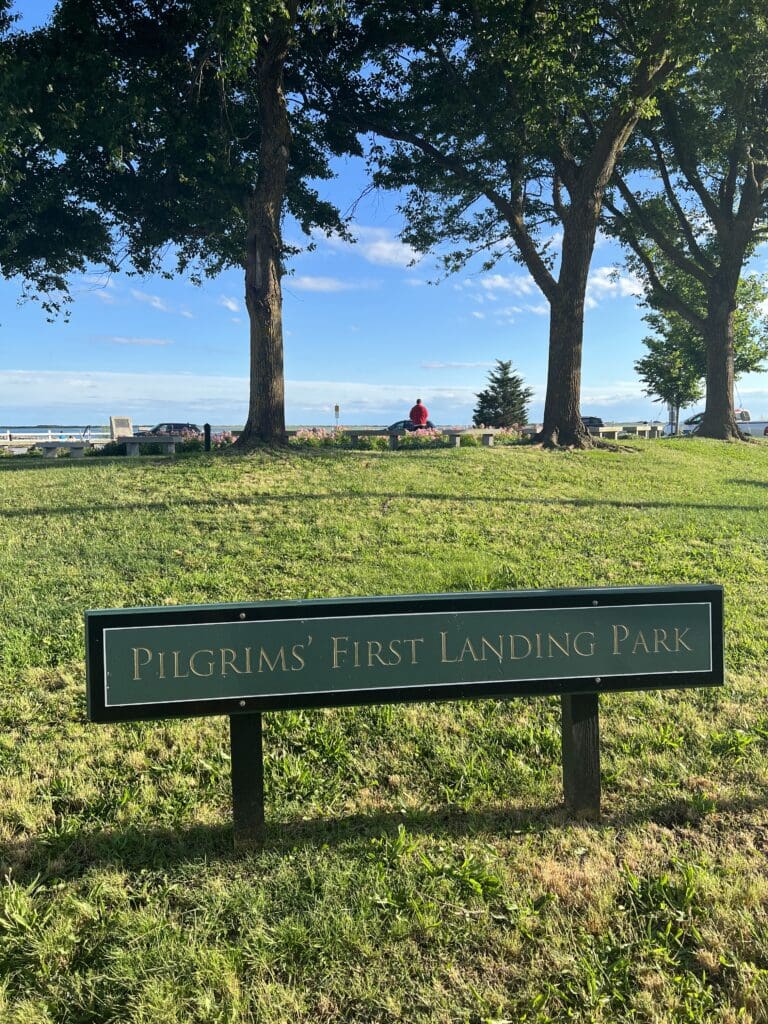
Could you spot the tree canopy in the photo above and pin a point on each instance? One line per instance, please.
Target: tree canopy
(699, 210)
(504, 120)
(180, 121)
(46, 231)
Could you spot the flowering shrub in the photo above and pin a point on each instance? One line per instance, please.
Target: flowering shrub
(507, 435)
(425, 437)
(373, 444)
(321, 437)
(223, 439)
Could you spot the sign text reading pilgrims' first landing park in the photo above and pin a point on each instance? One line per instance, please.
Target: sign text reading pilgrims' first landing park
(222, 659)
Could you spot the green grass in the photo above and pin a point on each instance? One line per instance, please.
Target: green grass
(418, 867)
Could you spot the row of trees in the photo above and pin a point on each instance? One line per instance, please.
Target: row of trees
(134, 125)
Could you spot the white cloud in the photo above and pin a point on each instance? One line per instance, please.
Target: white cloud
(491, 287)
(151, 300)
(96, 394)
(100, 285)
(308, 283)
(612, 393)
(119, 339)
(606, 282)
(451, 366)
(92, 396)
(536, 308)
(379, 246)
(229, 303)
(478, 315)
(158, 303)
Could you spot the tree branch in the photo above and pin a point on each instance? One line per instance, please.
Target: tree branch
(663, 296)
(685, 225)
(654, 231)
(688, 164)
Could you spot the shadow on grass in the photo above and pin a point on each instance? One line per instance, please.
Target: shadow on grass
(384, 496)
(20, 462)
(71, 854)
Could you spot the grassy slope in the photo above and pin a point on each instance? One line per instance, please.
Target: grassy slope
(419, 867)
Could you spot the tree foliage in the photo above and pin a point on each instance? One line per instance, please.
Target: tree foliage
(675, 366)
(504, 403)
(702, 208)
(504, 121)
(46, 232)
(183, 122)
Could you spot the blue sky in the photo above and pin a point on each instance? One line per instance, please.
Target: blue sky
(363, 329)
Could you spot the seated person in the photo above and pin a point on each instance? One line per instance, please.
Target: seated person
(418, 414)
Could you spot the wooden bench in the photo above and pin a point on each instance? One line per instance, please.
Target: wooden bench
(75, 448)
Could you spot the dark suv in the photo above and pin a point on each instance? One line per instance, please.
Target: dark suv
(592, 422)
(175, 428)
(407, 425)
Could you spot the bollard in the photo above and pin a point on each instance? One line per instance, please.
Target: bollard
(207, 436)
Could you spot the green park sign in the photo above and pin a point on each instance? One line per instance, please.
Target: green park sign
(226, 659)
(242, 659)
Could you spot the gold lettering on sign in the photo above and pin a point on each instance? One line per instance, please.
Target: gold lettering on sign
(617, 639)
(193, 660)
(640, 641)
(660, 640)
(138, 663)
(413, 641)
(298, 658)
(338, 650)
(374, 651)
(229, 660)
(591, 645)
(513, 646)
(444, 648)
(554, 642)
(468, 649)
(679, 642)
(279, 659)
(497, 652)
(177, 673)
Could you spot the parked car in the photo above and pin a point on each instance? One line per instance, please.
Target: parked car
(407, 425)
(173, 428)
(592, 422)
(758, 428)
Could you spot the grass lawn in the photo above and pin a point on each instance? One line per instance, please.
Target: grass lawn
(418, 866)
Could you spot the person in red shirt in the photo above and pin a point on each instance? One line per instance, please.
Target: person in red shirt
(418, 414)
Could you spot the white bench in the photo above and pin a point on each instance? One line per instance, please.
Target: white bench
(75, 448)
(165, 442)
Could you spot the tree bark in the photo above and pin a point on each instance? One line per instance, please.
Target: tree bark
(264, 250)
(563, 426)
(719, 420)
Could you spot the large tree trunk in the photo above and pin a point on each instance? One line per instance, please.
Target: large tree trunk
(719, 420)
(563, 426)
(264, 251)
(562, 417)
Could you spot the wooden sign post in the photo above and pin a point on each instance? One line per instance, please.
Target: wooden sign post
(244, 659)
